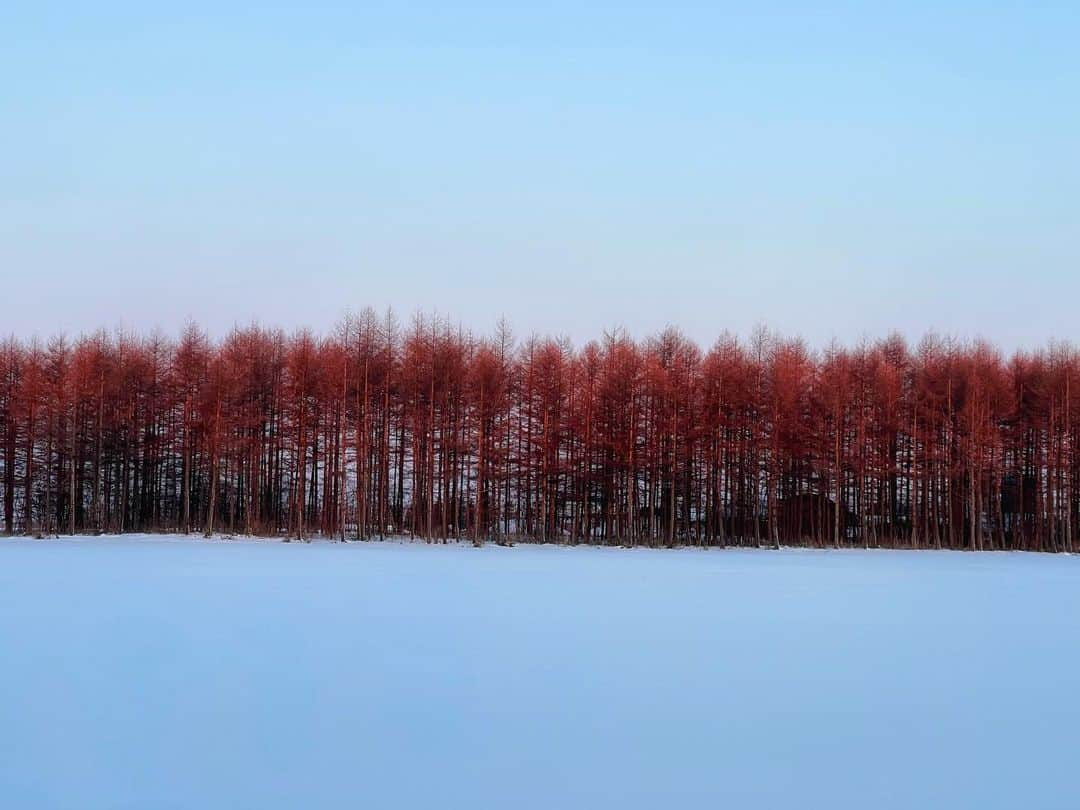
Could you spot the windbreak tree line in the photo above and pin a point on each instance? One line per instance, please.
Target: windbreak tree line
(430, 431)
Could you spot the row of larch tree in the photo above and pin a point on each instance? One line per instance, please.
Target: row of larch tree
(430, 431)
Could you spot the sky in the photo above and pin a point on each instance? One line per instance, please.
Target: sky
(836, 171)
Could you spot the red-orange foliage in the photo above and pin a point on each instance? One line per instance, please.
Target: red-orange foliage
(433, 432)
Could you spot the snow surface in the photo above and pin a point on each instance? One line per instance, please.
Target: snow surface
(143, 672)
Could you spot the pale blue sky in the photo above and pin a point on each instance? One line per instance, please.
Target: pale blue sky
(839, 170)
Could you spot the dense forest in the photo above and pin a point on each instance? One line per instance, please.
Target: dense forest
(427, 430)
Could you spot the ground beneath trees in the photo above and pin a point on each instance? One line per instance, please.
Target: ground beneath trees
(162, 672)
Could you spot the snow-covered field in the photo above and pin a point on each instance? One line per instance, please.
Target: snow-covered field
(158, 672)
